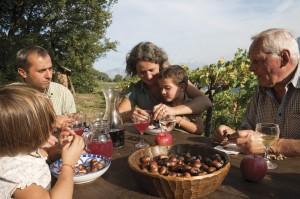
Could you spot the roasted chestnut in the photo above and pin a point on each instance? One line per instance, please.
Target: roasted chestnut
(183, 165)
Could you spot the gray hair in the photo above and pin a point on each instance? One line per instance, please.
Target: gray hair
(275, 40)
(145, 51)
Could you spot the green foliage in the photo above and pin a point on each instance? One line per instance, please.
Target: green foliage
(127, 82)
(100, 76)
(229, 85)
(118, 78)
(72, 31)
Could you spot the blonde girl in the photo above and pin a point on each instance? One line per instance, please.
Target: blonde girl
(26, 123)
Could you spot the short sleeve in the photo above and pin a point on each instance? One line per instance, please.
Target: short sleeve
(22, 171)
(131, 95)
(70, 106)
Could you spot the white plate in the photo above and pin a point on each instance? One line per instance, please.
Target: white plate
(152, 130)
(83, 178)
(230, 149)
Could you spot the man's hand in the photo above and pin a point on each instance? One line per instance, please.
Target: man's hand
(250, 142)
(222, 132)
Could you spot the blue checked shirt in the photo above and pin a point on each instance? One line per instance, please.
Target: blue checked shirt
(264, 107)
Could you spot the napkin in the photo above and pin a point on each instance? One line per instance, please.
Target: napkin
(230, 149)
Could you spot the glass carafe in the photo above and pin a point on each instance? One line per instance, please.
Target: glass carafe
(112, 116)
(98, 140)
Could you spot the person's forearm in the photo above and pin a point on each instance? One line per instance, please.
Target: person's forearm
(196, 106)
(125, 109)
(287, 147)
(64, 185)
(188, 125)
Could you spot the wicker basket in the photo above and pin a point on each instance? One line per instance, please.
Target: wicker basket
(178, 187)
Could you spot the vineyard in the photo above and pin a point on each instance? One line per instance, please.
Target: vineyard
(228, 84)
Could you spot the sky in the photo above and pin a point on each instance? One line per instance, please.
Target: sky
(193, 32)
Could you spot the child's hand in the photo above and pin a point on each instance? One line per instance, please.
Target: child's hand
(71, 150)
(66, 135)
(50, 142)
(63, 121)
(162, 110)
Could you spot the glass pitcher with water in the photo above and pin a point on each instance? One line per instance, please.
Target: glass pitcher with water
(112, 116)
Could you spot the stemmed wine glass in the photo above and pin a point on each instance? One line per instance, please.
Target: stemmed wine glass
(141, 125)
(269, 133)
(78, 124)
(167, 123)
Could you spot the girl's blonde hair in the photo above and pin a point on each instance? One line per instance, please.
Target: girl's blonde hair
(26, 120)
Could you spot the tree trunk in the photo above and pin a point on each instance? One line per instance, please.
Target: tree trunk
(208, 119)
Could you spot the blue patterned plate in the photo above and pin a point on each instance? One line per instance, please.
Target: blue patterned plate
(84, 160)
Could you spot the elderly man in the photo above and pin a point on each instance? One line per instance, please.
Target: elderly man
(274, 57)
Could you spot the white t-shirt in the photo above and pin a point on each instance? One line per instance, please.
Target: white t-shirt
(62, 99)
(21, 171)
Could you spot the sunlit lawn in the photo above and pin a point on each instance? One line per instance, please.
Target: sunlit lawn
(92, 103)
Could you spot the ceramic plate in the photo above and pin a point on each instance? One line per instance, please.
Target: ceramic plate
(84, 160)
(152, 130)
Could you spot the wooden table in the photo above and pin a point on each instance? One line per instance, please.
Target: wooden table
(117, 182)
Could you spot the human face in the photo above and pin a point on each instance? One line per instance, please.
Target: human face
(169, 90)
(39, 72)
(266, 66)
(148, 72)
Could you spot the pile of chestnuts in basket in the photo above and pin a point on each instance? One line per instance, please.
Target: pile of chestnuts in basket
(183, 165)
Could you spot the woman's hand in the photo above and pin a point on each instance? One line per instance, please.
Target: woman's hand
(140, 114)
(161, 110)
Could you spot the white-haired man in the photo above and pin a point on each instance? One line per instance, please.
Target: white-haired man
(274, 56)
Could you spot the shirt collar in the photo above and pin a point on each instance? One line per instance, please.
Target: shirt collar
(296, 79)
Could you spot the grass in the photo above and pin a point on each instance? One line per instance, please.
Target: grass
(92, 104)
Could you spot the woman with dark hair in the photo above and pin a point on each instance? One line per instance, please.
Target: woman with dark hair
(146, 60)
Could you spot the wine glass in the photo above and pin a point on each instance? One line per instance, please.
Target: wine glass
(167, 123)
(141, 125)
(269, 134)
(78, 124)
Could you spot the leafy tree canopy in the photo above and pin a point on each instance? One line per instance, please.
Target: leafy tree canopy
(118, 78)
(101, 76)
(229, 85)
(73, 31)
